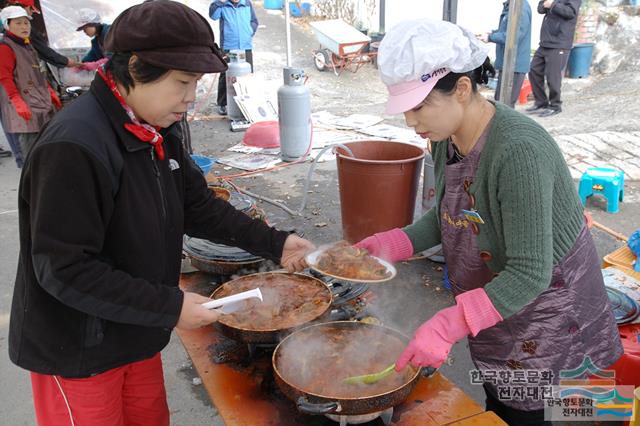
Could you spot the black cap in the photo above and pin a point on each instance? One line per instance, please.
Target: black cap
(166, 34)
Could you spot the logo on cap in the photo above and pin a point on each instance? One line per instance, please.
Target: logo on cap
(439, 71)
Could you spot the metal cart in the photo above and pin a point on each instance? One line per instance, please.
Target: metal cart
(341, 46)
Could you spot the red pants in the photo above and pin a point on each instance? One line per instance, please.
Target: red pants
(133, 394)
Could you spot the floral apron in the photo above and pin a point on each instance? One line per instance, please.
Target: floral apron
(570, 320)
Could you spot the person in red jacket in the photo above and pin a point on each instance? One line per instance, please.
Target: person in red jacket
(27, 100)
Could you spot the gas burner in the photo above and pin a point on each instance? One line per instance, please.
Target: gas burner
(256, 349)
(385, 416)
(350, 299)
(343, 291)
(229, 351)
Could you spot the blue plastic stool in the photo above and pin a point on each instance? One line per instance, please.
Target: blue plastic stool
(605, 181)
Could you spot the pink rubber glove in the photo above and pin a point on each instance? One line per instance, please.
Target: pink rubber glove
(433, 340)
(393, 245)
(92, 66)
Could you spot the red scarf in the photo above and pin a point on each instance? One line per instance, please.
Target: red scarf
(142, 131)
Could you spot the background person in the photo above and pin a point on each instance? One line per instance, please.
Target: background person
(45, 53)
(238, 25)
(89, 23)
(38, 40)
(523, 50)
(551, 57)
(27, 100)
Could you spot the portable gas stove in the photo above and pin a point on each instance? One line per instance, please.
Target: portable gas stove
(383, 417)
(350, 301)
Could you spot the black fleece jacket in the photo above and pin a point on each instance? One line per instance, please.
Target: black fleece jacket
(101, 227)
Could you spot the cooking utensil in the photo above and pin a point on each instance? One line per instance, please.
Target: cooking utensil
(313, 257)
(266, 281)
(307, 361)
(234, 302)
(221, 267)
(209, 250)
(218, 259)
(369, 379)
(610, 231)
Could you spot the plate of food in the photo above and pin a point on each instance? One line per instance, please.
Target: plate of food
(348, 263)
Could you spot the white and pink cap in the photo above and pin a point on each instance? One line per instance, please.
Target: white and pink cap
(415, 54)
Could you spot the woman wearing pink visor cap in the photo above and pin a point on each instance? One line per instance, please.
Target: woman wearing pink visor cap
(523, 267)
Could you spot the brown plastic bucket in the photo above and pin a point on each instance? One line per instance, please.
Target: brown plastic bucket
(378, 186)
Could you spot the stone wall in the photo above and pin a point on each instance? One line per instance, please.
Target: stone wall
(617, 40)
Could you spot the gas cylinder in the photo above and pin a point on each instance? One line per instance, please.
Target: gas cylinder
(238, 66)
(294, 110)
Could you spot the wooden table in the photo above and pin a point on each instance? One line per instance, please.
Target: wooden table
(246, 395)
(487, 418)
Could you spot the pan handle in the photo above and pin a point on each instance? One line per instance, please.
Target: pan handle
(322, 408)
(430, 371)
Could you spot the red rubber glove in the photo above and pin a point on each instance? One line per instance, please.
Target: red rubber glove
(54, 98)
(393, 245)
(21, 107)
(433, 340)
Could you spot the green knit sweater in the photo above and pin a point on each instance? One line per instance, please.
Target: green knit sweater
(528, 201)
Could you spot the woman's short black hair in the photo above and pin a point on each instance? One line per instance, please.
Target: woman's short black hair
(138, 72)
(447, 84)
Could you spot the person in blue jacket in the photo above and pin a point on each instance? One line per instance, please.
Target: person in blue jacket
(238, 25)
(523, 49)
(89, 22)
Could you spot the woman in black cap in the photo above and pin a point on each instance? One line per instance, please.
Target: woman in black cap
(105, 198)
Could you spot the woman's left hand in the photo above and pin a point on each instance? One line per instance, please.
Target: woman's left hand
(295, 249)
(432, 342)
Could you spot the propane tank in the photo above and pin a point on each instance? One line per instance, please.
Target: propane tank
(238, 66)
(294, 110)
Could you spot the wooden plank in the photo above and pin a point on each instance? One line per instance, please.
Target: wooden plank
(435, 401)
(487, 418)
